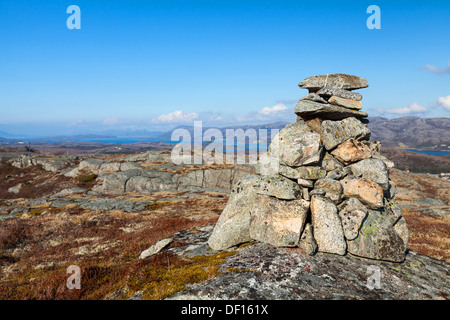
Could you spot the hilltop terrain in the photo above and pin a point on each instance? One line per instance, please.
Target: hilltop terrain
(95, 212)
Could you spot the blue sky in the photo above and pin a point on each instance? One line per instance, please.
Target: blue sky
(157, 64)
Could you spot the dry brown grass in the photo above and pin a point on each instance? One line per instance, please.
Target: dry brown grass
(428, 234)
(36, 182)
(37, 249)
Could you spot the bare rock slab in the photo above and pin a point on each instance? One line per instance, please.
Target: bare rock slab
(346, 103)
(307, 109)
(335, 80)
(328, 92)
(328, 231)
(278, 222)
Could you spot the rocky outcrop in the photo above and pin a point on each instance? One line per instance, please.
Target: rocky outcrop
(338, 173)
(259, 271)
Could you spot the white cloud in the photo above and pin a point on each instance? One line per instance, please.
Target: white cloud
(275, 113)
(445, 102)
(437, 70)
(110, 121)
(412, 108)
(177, 116)
(273, 110)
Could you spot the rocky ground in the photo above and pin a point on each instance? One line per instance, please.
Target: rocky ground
(102, 212)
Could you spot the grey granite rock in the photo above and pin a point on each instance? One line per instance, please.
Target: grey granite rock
(333, 189)
(307, 109)
(328, 92)
(328, 231)
(314, 97)
(154, 249)
(233, 225)
(278, 222)
(306, 172)
(333, 133)
(297, 145)
(271, 273)
(335, 80)
(352, 213)
(371, 169)
(307, 242)
(377, 239)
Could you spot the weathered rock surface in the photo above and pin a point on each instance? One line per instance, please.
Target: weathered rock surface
(307, 242)
(371, 169)
(298, 145)
(307, 109)
(157, 247)
(333, 189)
(278, 223)
(368, 192)
(328, 231)
(271, 273)
(378, 240)
(346, 103)
(352, 213)
(307, 172)
(329, 163)
(351, 151)
(335, 80)
(328, 92)
(314, 97)
(278, 187)
(334, 133)
(233, 226)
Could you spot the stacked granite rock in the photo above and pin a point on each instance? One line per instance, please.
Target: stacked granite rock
(322, 186)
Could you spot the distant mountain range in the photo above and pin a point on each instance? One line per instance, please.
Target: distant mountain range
(411, 132)
(403, 132)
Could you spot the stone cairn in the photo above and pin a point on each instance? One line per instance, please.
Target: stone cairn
(322, 186)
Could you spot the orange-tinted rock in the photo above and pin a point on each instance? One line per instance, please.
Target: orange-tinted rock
(351, 151)
(347, 103)
(368, 192)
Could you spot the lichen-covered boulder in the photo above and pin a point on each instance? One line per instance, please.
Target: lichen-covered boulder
(351, 151)
(278, 222)
(371, 169)
(352, 213)
(333, 189)
(297, 145)
(377, 239)
(232, 227)
(368, 192)
(328, 231)
(333, 133)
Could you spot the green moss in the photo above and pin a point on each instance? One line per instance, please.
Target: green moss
(86, 179)
(35, 212)
(158, 205)
(368, 230)
(165, 281)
